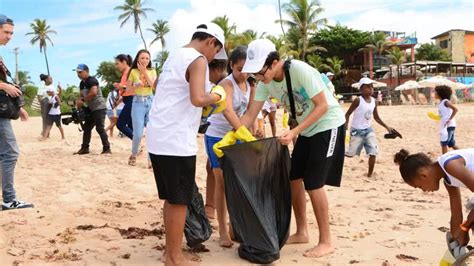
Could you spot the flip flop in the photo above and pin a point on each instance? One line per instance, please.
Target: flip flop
(393, 134)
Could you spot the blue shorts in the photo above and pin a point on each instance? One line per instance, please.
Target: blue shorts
(450, 142)
(110, 113)
(362, 138)
(209, 143)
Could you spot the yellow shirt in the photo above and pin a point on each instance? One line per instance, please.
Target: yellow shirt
(136, 77)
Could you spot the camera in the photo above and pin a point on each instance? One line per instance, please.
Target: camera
(76, 116)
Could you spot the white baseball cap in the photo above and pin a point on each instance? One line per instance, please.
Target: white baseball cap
(257, 53)
(50, 89)
(328, 74)
(364, 81)
(215, 31)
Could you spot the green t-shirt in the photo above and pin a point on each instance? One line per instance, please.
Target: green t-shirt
(306, 83)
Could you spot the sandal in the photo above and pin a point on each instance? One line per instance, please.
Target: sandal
(132, 160)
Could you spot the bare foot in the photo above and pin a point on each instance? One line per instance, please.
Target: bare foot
(225, 242)
(319, 251)
(182, 262)
(297, 239)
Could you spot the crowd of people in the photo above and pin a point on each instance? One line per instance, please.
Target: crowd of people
(196, 78)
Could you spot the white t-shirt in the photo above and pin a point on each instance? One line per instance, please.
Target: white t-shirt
(363, 114)
(466, 154)
(43, 90)
(219, 124)
(445, 113)
(54, 110)
(112, 98)
(173, 120)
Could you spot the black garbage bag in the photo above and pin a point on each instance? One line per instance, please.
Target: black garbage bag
(197, 228)
(257, 189)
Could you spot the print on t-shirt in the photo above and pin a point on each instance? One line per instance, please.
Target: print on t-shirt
(301, 98)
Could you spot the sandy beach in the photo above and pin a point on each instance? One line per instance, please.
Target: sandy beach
(97, 210)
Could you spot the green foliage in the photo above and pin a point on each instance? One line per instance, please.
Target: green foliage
(29, 93)
(432, 52)
(340, 41)
(23, 78)
(304, 21)
(160, 28)
(160, 60)
(108, 72)
(396, 56)
(230, 32)
(133, 9)
(68, 96)
(31, 112)
(315, 61)
(334, 65)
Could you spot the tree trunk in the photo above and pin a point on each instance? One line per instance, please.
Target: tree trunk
(46, 59)
(141, 34)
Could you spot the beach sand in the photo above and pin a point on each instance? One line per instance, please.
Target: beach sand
(88, 206)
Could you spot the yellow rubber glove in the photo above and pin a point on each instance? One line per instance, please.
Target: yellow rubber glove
(218, 106)
(434, 116)
(244, 135)
(227, 140)
(285, 119)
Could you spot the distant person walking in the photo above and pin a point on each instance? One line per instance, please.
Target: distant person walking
(124, 122)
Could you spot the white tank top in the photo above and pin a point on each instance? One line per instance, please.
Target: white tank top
(54, 110)
(173, 120)
(363, 114)
(445, 113)
(466, 154)
(219, 124)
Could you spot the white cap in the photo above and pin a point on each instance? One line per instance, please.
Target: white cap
(215, 31)
(257, 53)
(328, 74)
(50, 89)
(364, 81)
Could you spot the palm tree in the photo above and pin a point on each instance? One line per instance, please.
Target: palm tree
(397, 57)
(282, 46)
(135, 9)
(229, 31)
(160, 28)
(379, 45)
(304, 17)
(41, 31)
(316, 61)
(160, 60)
(334, 65)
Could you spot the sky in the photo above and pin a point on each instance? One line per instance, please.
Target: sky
(89, 32)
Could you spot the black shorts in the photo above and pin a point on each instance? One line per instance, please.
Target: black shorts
(175, 177)
(319, 159)
(54, 119)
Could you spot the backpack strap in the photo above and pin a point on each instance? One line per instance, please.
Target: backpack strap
(286, 67)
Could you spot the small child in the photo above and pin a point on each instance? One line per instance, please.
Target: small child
(362, 133)
(54, 114)
(446, 111)
(456, 169)
(217, 72)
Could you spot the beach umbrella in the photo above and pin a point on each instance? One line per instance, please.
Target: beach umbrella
(409, 85)
(440, 80)
(375, 84)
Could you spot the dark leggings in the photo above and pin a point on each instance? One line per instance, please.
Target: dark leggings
(124, 123)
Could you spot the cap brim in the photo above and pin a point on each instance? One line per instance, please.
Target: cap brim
(253, 66)
(222, 55)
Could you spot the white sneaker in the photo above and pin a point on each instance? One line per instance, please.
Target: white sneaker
(16, 204)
